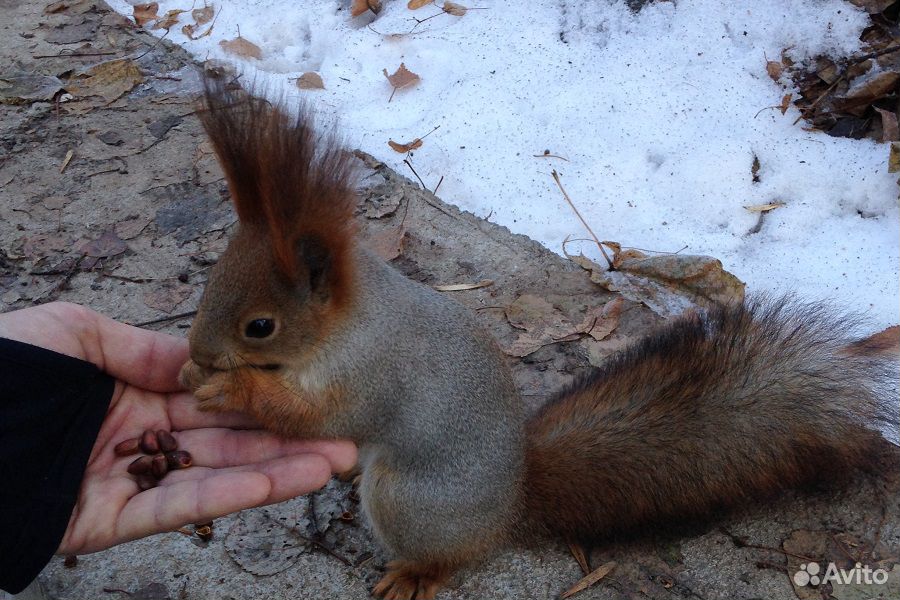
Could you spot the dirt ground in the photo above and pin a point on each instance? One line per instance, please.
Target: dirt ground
(117, 203)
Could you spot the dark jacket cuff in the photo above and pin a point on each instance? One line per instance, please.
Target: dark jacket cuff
(51, 409)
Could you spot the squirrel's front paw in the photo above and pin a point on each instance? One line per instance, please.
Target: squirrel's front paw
(408, 580)
(208, 386)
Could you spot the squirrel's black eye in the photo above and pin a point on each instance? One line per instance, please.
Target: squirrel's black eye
(260, 328)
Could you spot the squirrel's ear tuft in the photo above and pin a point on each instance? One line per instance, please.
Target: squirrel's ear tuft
(286, 178)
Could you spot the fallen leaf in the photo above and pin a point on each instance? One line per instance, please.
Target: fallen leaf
(358, 7)
(388, 244)
(590, 579)
(166, 296)
(894, 158)
(108, 80)
(45, 244)
(401, 78)
(600, 321)
(580, 557)
(761, 208)
(545, 325)
(380, 205)
(241, 47)
(774, 69)
(873, 7)
(131, 228)
(310, 81)
(262, 545)
(25, 88)
(107, 245)
(786, 102)
(66, 160)
(667, 284)
(452, 8)
(890, 130)
(867, 89)
(458, 287)
(826, 70)
(144, 13)
(203, 15)
(404, 148)
(168, 20)
(417, 4)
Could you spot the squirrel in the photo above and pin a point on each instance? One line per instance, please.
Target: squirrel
(311, 334)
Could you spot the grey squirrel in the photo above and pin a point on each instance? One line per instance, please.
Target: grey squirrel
(314, 336)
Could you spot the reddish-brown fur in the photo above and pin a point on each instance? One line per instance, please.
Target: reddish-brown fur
(285, 177)
(708, 414)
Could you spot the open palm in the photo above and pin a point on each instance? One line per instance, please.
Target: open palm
(236, 466)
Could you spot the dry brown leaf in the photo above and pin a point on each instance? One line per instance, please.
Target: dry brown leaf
(166, 297)
(388, 244)
(868, 88)
(459, 287)
(761, 208)
(242, 47)
(358, 7)
(417, 4)
(404, 148)
(108, 80)
(786, 102)
(601, 321)
(144, 13)
(873, 7)
(131, 228)
(203, 15)
(890, 130)
(774, 69)
(667, 284)
(581, 558)
(108, 244)
(894, 158)
(188, 30)
(168, 20)
(544, 324)
(590, 579)
(452, 8)
(310, 81)
(66, 160)
(401, 78)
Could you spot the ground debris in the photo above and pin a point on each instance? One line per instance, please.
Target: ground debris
(854, 96)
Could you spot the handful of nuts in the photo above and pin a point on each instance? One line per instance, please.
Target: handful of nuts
(161, 456)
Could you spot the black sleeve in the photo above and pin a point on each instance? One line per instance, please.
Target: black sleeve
(51, 408)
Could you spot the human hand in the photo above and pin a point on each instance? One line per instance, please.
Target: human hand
(236, 466)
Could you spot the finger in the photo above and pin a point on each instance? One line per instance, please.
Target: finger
(183, 415)
(147, 359)
(219, 448)
(168, 507)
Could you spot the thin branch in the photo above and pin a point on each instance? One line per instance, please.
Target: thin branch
(580, 218)
(177, 317)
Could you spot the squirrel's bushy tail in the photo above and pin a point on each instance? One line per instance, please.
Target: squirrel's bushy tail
(710, 412)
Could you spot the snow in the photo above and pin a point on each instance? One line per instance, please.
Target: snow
(659, 115)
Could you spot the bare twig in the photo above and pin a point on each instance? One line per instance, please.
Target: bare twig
(177, 317)
(580, 218)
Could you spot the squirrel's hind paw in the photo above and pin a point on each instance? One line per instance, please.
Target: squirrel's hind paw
(407, 580)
